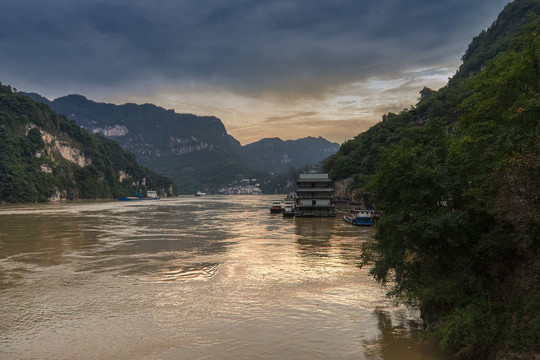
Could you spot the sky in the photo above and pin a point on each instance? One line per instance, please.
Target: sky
(266, 68)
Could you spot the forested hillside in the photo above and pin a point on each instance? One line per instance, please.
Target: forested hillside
(359, 156)
(457, 178)
(44, 156)
(195, 151)
(279, 156)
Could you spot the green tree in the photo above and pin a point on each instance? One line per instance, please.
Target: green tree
(460, 206)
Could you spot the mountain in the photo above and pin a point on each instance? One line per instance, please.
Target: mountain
(195, 151)
(44, 156)
(498, 37)
(278, 156)
(456, 181)
(359, 156)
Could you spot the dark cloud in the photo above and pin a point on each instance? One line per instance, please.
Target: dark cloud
(251, 47)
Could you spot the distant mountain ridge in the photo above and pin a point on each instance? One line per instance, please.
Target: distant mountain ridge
(147, 130)
(278, 156)
(195, 151)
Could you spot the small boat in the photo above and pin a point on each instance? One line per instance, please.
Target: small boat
(360, 217)
(276, 207)
(150, 195)
(288, 209)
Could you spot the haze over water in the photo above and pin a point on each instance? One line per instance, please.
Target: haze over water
(191, 278)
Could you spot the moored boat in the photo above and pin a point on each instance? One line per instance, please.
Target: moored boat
(150, 195)
(288, 209)
(360, 217)
(276, 207)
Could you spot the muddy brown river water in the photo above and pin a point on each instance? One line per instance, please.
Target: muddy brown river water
(214, 277)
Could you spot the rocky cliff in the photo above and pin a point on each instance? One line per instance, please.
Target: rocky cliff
(195, 151)
(44, 156)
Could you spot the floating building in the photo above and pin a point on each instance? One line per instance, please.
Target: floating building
(313, 196)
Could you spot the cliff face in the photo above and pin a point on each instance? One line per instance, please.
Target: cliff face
(147, 130)
(43, 156)
(195, 151)
(342, 190)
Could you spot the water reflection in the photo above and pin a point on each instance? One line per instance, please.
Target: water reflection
(190, 278)
(314, 230)
(330, 240)
(35, 239)
(400, 339)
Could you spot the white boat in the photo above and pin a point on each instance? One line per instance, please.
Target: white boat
(276, 207)
(288, 209)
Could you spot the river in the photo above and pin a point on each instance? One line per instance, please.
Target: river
(215, 277)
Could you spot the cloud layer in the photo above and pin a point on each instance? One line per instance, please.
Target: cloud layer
(286, 50)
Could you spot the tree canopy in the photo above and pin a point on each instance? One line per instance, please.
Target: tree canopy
(460, 231)
(32, 169)
(457, 180)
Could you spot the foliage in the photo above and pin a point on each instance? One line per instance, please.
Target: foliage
(499, 37)
(32, 169)
(172, 144)
(457, 181)
(274, 155)
(519, 18)
(459, 235)
(205, 170)
(285, 183)
(195, 151)
(360, 156)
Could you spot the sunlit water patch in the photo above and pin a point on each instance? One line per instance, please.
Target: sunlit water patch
(192, 278)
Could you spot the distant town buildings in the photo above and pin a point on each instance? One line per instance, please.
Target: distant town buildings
(243, 187)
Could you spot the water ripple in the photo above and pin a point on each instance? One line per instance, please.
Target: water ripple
(191, 278)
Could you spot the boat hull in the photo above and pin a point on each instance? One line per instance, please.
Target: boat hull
(359, 221)
(133, 198)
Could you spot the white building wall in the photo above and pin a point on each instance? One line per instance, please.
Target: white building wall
(322, 202)
(305, 202)
(318, 202)
(313, 176)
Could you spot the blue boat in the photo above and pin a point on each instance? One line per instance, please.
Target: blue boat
(150, 195)
(360, 217)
